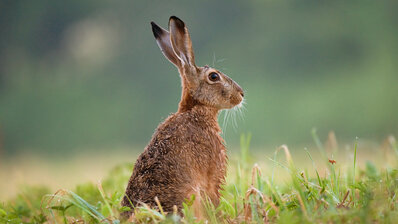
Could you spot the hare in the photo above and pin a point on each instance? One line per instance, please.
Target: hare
(186, 155)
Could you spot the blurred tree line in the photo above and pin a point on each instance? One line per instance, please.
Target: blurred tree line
(88, 74)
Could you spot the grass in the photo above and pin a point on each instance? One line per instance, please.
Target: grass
(331, 191)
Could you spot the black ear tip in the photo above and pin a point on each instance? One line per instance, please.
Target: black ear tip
(174, 17)
(177, 20)
(157, 31)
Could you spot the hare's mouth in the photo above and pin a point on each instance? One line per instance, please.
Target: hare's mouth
(242, 103)
(236, 101)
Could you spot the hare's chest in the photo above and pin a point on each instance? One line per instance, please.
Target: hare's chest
(211, 154)
(210, 176)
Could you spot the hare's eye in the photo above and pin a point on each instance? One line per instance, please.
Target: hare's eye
(214, 77)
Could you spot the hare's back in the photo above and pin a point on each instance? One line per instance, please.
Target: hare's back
(156, 174)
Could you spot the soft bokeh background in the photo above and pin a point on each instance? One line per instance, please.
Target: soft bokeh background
(87, 76)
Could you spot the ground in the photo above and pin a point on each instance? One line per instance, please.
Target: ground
(328, 183)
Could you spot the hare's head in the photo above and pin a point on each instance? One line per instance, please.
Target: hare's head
(201, 85)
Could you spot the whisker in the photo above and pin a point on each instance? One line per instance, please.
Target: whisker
(224, 125)
(214, 58)
(221, 60)
(233, 115)
(215, 61)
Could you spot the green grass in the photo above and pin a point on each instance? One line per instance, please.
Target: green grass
(330, 191)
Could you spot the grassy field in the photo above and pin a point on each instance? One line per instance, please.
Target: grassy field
(355, 183)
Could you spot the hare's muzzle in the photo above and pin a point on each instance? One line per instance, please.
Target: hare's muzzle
(242, 93)
(239, 90)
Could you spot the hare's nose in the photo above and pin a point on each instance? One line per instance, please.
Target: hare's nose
(240, 90)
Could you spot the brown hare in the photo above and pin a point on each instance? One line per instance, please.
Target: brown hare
(186, 155)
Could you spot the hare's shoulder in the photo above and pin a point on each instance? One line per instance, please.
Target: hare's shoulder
(171, 148)
(185, 133)
(183, 127)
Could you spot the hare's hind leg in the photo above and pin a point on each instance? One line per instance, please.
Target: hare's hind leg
(198, 208)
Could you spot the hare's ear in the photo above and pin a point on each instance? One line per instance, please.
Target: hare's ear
(162, 37)
(181, 41)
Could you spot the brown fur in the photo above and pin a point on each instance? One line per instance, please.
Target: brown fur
(186, 155)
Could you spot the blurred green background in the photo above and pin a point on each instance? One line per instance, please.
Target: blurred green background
(88, 74)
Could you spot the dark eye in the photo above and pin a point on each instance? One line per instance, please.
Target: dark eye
(214, 77)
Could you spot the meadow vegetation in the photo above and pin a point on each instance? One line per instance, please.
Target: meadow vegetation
(333, 190)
